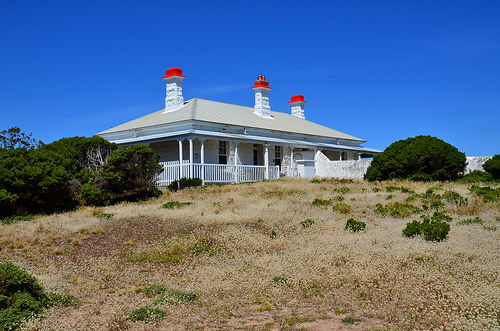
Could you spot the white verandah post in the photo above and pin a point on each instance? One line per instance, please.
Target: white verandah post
(191, 157)
(266, 161)
(202, 152)
(235, 161)
(180, 159)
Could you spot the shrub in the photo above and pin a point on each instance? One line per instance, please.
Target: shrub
(441, 216)
(412, 229)
(342, 190)
(184, 183)
(13, 219)
(422, 158)
(397, 209)
(492, 166)
(354, 226)
(431, 230)
(487, 193)
(455, 197)
(21, 296)
(319, 202)
(147, 314)
(308, 222)
(476, 176)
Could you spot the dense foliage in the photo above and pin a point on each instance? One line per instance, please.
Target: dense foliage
(492, 166)
(422, 158)
(22, 297)
(184, 183)
(74, 171)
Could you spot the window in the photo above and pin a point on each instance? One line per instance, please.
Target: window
(255, 155)
(222, 152)
(277, 156)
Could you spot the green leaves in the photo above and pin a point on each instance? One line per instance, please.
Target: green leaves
(423, 158)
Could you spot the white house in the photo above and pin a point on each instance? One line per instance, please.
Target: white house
(221, 142)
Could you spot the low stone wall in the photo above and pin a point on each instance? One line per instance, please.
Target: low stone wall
(357, 169)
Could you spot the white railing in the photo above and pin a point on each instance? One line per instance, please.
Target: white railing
(215, 173)
(292, 172)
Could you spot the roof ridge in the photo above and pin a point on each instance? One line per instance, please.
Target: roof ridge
(193, 109)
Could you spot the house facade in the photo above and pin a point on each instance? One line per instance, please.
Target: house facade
(226, 143)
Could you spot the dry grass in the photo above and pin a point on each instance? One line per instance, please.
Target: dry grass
(222, 249)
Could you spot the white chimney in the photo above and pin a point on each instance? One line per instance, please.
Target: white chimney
(262, 89)
(174, 99)
(297, 104)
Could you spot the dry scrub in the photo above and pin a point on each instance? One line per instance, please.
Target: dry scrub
(253, 266)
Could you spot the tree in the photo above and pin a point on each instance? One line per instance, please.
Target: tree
(422, 158)
(13, 138)
(492, 166)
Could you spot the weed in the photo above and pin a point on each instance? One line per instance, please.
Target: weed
(273, 234)
(264, 308)
(280, 281)
(397, 209)
(61, 300)
(389, 197)
(354, 226)
(338, 198)
(342, 207)
(217, 207)
(340, 311)
(376, 190)
(205, 246)
(407, 190)
(392, 188)
(175, 205)
(342, 190)
(177, 297)
(315, 181)
(455, 197)
(319, 202)
(105, 216)
(308, 222)
(350, 320)
(488, 194)
(147, 314)
(154, 290)
(469, 221)
(156, 257)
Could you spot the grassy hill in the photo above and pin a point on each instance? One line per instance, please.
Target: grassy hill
(242, 257)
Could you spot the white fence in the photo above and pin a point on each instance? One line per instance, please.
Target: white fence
(215, 173)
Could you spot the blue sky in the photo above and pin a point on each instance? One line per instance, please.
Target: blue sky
(378, 70)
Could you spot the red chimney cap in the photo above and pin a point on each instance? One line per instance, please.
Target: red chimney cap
(297, 98)
(174, 72)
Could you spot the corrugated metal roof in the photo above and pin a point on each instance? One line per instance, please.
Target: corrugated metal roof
(225, 113)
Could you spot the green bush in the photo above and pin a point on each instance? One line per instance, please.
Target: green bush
(397, 209)
(422, 158)
(476, 176)
(21, 296)
(154, 290)
(147, 314)
(87, 171)
(487, 193)
(319, 202)
(280, 281)
(184, 183)
(492, 166)
(354, 226)
(430, 230)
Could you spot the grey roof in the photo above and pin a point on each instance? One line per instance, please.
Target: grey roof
(224, 113)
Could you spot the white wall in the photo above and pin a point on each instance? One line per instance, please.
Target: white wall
(357, 169)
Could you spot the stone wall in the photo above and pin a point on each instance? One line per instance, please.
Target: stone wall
(357, 169)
